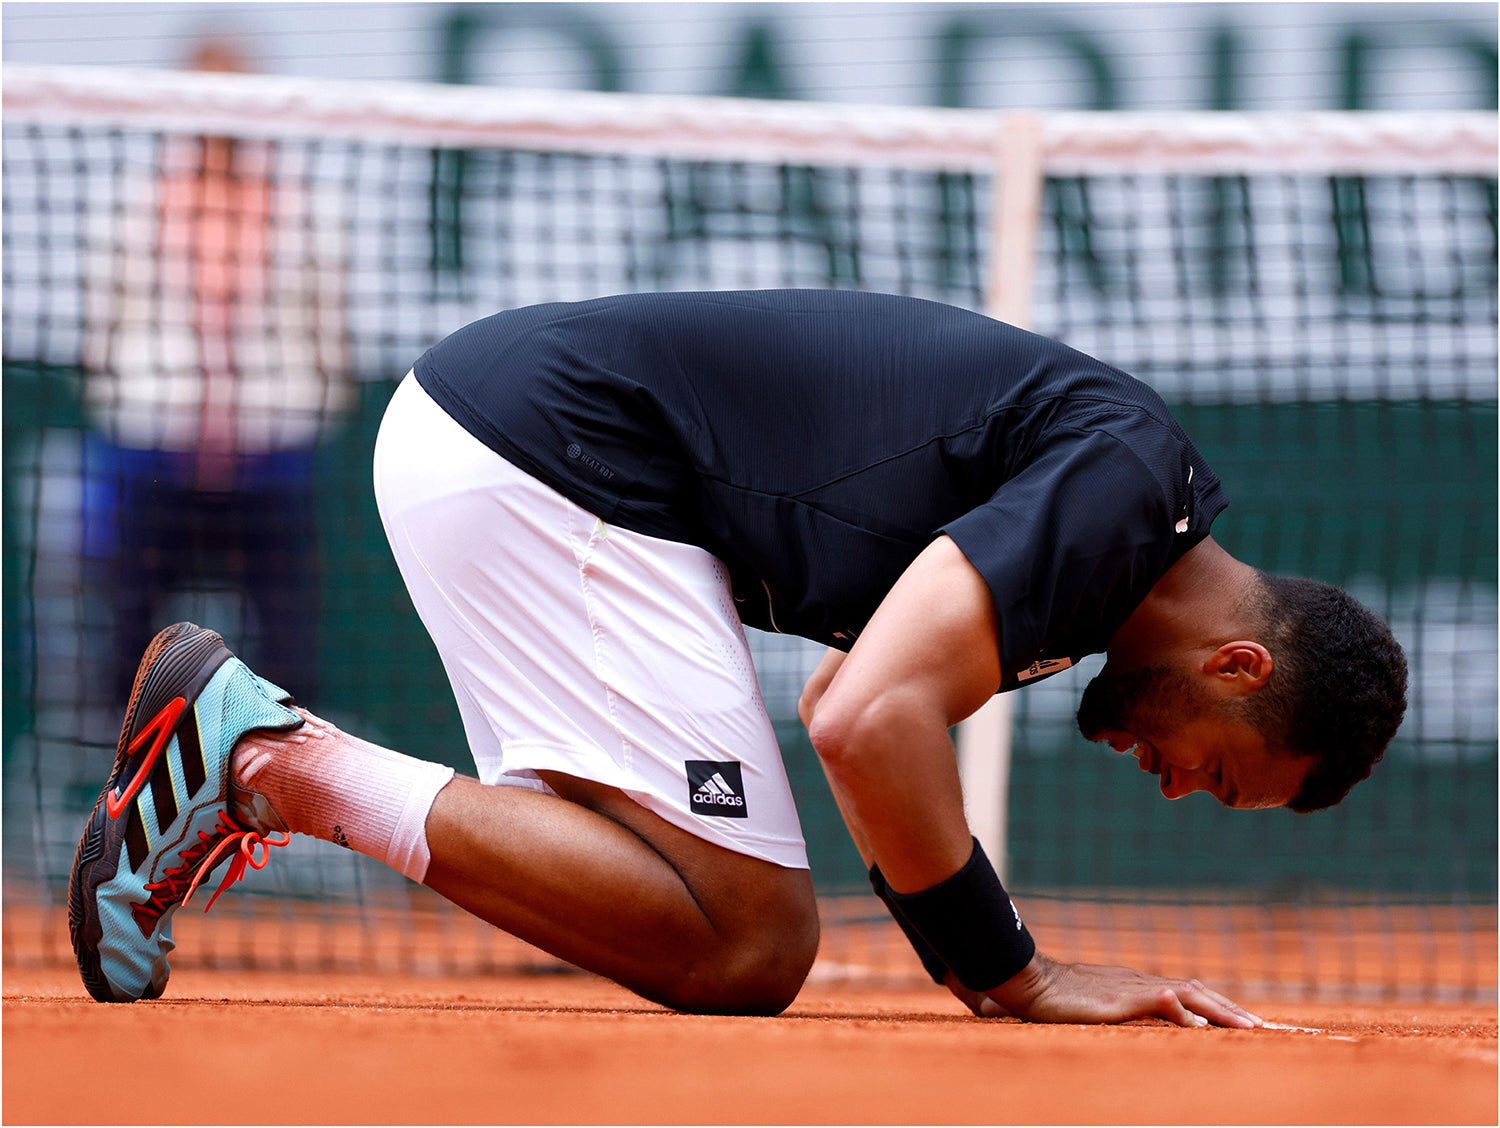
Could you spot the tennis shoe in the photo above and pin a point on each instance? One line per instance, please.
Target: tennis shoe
(168, 815)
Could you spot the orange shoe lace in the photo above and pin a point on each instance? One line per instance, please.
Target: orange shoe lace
(243, 842)
(196, 861)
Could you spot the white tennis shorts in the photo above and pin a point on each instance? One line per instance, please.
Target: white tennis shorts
(579, 647)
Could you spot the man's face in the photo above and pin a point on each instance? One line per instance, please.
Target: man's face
(1194, 739)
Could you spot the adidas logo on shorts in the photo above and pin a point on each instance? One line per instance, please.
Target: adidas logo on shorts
(716, 789)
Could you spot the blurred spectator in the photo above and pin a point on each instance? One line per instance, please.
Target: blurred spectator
(215, 359)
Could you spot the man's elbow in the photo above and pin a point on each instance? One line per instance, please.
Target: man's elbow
(846, 730)
(827, 729)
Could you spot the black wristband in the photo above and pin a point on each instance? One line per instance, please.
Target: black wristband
(930, 959)
(970, 924)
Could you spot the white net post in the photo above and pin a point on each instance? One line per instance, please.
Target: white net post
(984, 740)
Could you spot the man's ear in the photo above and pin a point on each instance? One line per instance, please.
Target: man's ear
(1240, 667)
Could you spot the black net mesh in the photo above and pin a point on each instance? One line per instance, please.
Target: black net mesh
(200, 337)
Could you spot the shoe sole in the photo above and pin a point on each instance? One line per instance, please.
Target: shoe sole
(180, 661)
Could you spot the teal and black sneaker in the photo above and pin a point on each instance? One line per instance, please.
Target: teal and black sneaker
(166, 818)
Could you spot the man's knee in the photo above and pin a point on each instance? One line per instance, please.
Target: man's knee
(760, 968)
(764, 974)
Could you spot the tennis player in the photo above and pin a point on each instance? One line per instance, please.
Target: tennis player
(587, 501)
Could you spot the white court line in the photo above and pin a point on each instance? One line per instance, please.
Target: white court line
(1307, 1030)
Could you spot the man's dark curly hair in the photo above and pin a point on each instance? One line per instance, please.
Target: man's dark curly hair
(1337, 690)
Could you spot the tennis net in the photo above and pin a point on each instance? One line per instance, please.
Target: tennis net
(1314, 295)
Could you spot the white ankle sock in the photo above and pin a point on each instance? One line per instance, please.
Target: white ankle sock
(342, 789)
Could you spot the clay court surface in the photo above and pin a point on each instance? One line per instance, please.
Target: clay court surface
(274, 1048)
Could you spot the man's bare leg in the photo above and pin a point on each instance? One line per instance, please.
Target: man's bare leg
(587, 875)
(591, 876)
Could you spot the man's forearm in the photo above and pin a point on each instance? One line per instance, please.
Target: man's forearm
(923, 778)
(894, 774)
(931, 961)
(947, 898)
(880, 724)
